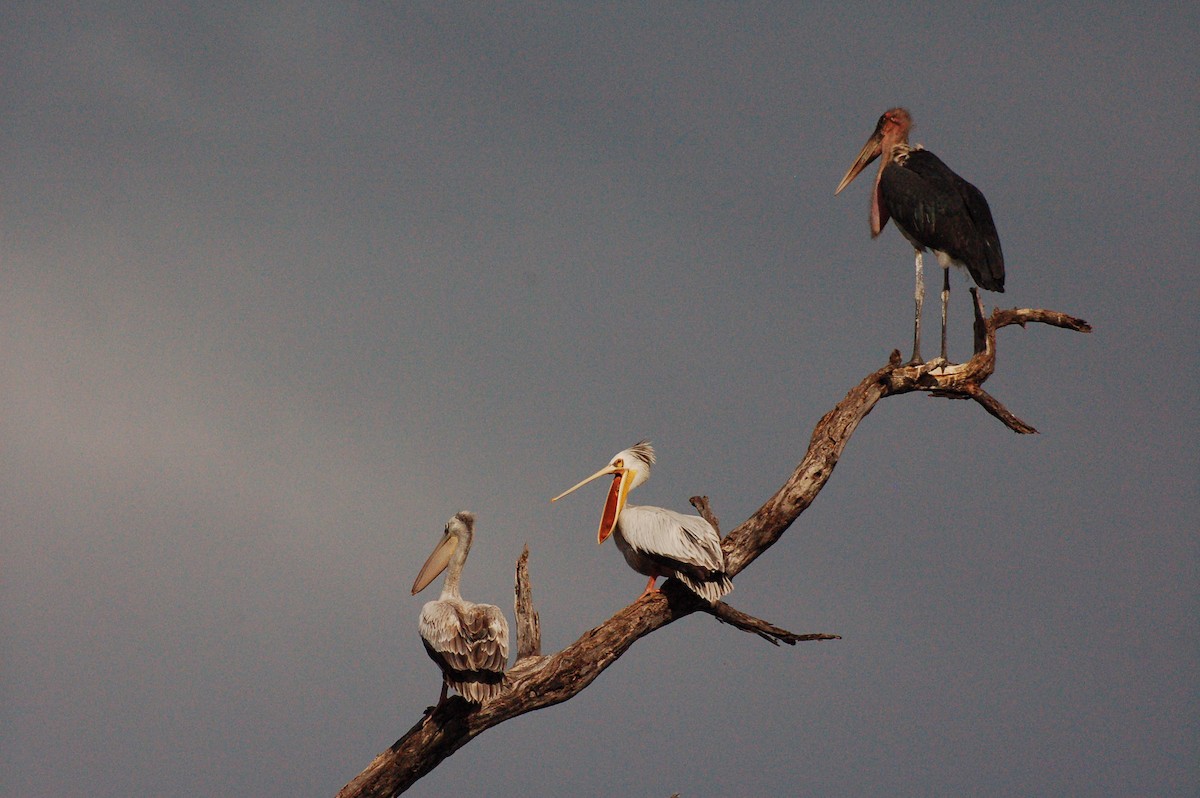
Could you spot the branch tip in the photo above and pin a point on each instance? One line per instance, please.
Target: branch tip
(529, 625)
(702, 506)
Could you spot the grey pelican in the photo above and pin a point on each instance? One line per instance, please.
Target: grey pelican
(654, 541)
(934, 209)
(468, 641)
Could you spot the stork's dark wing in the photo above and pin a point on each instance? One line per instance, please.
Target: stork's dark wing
(944, 212)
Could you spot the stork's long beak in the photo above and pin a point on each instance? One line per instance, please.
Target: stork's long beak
(870, 151)
(436, 563)
(614, 503)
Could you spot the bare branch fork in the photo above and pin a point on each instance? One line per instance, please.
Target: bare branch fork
(536, 681)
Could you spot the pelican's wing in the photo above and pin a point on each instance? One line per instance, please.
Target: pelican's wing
(685, 546)
(469, 642)
(487, 629)
(687, 539)
(441, 629)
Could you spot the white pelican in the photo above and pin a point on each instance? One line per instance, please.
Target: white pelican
(658, 542)
(468, 641)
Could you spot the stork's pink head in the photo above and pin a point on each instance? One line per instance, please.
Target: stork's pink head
(893, 126)
(891, 129)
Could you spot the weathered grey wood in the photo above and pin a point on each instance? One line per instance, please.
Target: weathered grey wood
(748, 623)
(529, 625)
(705, 509)
(537, 681)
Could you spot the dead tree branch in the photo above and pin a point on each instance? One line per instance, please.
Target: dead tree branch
(529, 625)
(702, 506)
(536, 681)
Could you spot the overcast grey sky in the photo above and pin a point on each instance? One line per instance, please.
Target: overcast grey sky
(286, 286)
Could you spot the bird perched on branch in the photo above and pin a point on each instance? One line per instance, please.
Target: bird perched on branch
(468, 641)
(934, 209)
(658, 542)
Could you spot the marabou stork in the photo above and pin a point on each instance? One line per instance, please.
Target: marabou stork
(468, 641)
(934, 209)
(654, 541)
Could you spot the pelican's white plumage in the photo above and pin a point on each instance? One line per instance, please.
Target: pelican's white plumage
(656, 541)
(468, 641)
(660, 542)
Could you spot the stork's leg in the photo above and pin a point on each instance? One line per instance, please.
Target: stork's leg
(650, 588)
(919, 297)
(945, 304)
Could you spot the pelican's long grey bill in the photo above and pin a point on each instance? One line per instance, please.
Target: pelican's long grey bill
(614, 503)
(436, 563)
(602, 472)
